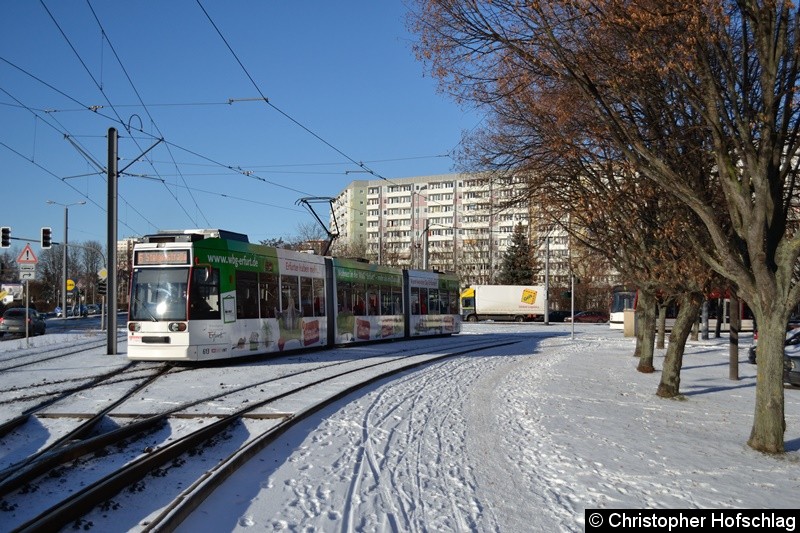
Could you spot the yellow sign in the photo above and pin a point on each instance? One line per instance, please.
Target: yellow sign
(528, 296)
(70, 285)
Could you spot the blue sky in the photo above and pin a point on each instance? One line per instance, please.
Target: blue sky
(341, 78)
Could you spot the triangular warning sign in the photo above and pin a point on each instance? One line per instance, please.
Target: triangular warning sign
(27, 256)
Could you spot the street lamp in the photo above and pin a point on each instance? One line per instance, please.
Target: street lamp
(66, 242)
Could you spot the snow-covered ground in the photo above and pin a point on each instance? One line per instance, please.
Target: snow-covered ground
(522, 437)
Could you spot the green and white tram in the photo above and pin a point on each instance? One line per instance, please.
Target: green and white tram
(200, 295)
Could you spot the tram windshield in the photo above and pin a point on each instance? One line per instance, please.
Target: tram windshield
(159, 294)
(621, 300)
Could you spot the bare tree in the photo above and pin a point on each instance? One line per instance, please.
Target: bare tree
(91, 259)
(663, 80)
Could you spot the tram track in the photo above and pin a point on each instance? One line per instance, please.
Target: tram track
(60, 395)
(58, 452)
(280, 409)
(40, 355)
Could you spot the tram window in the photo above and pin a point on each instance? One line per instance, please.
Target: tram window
(268, 295)
(433, 302)
(319, 297)
(453, 310)
(246, 295)
(307, 296)
(423, 301)
(372, 300)
(204, 297)
(358, 304)
(344, 292)
(386, 302)
(159, 294)
(414, 301)
(440, 307)
(397, 301)
(360, 298)
(359, 294)
(289, 295)
(290, 302)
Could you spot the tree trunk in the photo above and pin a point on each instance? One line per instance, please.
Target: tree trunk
(769, 423)
(662, 325)
(690, 303)
(720, 317)
(733, 339)
(645, 336)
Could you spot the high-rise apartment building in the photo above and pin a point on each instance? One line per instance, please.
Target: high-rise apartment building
(451, 222)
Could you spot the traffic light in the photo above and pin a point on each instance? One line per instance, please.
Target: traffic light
(46, 241)
(6, 239)
(101, 287)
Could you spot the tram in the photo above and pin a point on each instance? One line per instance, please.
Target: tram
(625, 298)
(200, 295)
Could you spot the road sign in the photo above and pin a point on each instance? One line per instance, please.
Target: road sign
(70, 285)
(27, 257)
(27, 272)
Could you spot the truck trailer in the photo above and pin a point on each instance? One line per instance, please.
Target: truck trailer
(502, 302)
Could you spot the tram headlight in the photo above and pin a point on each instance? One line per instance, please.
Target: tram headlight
(177, 326)
(134, 326)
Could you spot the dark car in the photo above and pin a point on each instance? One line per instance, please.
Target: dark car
(791, 369)
(557, 316)
(595, 317)
(791, 357)
(13, 322)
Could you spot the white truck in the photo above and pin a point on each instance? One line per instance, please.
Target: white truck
(502, 302)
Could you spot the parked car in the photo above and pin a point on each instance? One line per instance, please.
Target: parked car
(596, 317)
(557, 316)
(77, 310)
(791, 356)
(791, 369)
(13, 322)
(92, 309)
(792, 339)
(552, 316)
